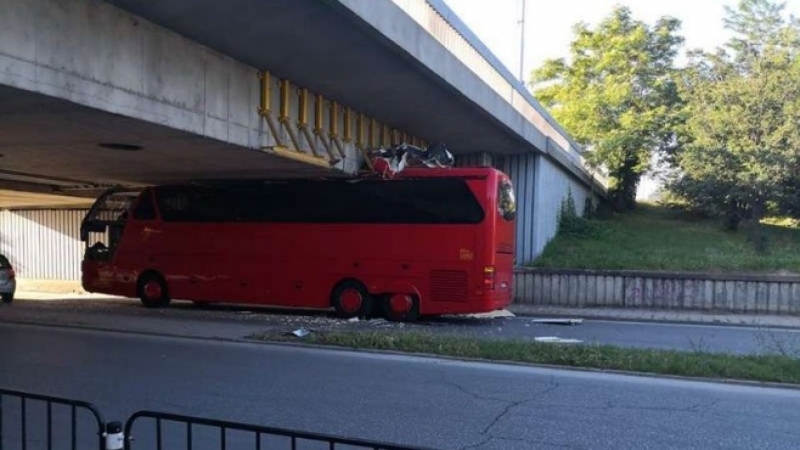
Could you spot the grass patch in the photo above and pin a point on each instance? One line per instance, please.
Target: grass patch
(655, 238)
(766, 368)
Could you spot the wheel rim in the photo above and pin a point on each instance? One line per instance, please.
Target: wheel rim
(152, 290)
(400, 303)
(351, 300)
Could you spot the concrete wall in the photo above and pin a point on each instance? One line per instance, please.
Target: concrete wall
(659, 290)
(552, 187)
(43, 244)
(97, 55)
(94, 54)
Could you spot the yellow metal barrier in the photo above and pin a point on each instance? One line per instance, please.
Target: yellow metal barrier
(369, 133)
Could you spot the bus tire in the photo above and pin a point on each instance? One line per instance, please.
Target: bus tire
(152, 290)
(350, 298)
(400, 307)
(8, 298)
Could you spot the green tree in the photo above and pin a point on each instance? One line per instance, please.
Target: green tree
(742, 153)
(617, 95)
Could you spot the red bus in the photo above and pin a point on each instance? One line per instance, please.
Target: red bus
(428, 242)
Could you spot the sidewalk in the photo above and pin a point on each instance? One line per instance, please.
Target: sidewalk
(53, 296)
(645, 315)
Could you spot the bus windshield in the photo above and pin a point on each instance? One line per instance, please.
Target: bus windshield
(102, 227)
(506, 202)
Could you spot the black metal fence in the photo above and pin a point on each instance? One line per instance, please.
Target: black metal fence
(32, 421)
(172, 431)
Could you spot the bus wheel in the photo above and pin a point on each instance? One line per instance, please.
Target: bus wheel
(351, 299)
(152, 290)
(401, 307)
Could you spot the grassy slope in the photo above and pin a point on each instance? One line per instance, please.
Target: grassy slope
(654, 238)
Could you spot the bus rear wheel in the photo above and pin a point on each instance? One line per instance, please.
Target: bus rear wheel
(400, 307)
(152, 290)
(350, 298)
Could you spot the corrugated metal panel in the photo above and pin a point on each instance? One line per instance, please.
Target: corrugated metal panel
(473, 160)
(521, 169)
(43, 244)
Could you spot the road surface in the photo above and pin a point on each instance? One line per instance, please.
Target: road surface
(233, 322)
(406, 400)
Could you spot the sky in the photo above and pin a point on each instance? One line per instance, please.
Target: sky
(548, 26)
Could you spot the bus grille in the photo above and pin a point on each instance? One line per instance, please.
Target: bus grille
(449, 285)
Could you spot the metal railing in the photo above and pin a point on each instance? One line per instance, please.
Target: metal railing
(27, 418)
(221, 434)
(33, 421)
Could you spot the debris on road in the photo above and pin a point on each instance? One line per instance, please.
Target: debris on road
(300, 332)
(498, 314)
(557, 340)
(558, 321)
(353, 319)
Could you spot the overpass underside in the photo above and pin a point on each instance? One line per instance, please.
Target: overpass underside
(54, 147)
(93, 94)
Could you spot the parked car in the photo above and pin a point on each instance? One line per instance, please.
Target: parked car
(8, 282)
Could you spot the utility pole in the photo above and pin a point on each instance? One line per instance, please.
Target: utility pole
(522, 44)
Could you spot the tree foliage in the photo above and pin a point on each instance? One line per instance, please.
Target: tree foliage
(617, 95)
(741, 156)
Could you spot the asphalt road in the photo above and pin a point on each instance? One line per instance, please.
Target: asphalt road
(406, 400)
(236, 322)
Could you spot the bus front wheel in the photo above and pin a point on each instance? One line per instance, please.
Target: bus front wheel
(350, 298)
(152, 290)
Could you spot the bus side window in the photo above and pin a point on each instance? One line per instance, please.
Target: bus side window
(145, 210)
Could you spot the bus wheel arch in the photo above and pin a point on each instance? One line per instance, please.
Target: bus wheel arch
(350, 298)
(152, 289)
(401, 306)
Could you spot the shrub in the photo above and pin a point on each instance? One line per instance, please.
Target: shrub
(569, 222)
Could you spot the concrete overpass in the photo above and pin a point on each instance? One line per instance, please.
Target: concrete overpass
(97, 93)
